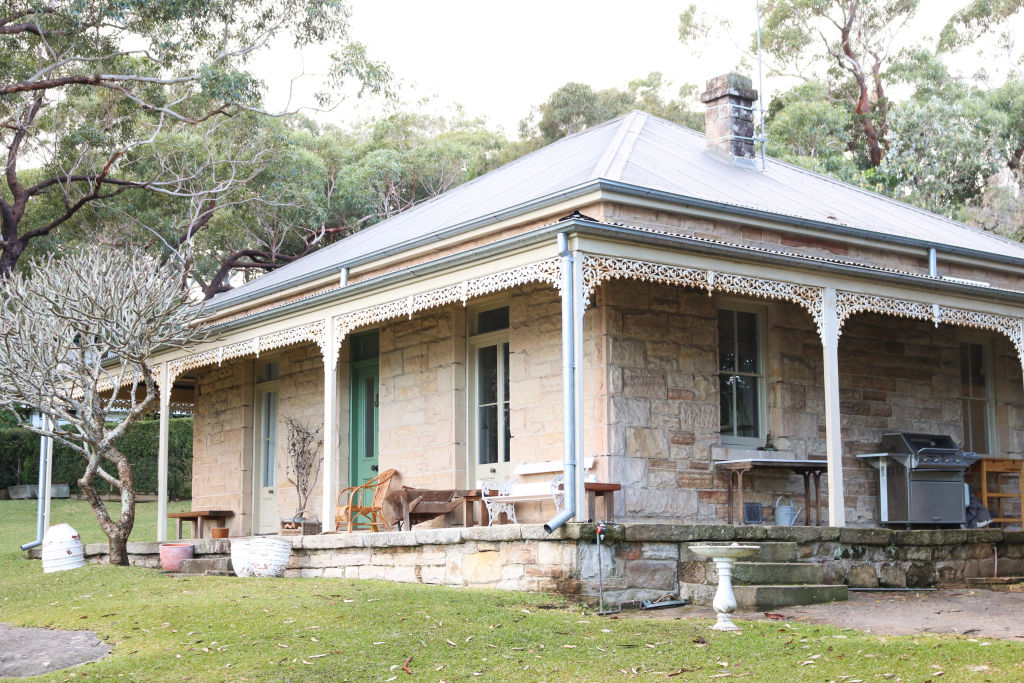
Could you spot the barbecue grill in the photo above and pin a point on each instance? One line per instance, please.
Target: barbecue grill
(921, 479)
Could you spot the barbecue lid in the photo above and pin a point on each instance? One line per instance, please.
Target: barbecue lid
(912, 442)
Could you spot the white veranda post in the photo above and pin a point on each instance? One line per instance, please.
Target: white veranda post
(166, 383)
(833, 426)
(330, 354)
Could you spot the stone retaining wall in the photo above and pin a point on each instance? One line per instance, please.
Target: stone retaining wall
(639, 561)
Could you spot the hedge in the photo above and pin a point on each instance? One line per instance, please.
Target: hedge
(19, 458)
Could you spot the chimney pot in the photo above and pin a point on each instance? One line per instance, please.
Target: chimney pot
(729, 118)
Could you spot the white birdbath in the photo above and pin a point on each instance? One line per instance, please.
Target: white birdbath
(724, 556)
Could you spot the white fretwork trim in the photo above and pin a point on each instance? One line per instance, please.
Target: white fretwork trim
(850, 303)
(598, 269)
(548, 271)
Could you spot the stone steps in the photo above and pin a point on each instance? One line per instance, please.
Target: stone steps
(209, 566)
(769, 579)
(762, 598)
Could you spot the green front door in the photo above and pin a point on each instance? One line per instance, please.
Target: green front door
(365, 382)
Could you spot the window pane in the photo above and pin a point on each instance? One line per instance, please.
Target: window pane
(725, 383)
(747, 409)
(726, 341)
(489, 321)
(369, 430)
(975, 426)
(365, 346)
(488, 434)
(487, 375)
(508, 436)
(746, 342)
(977, 364)
(268, 432)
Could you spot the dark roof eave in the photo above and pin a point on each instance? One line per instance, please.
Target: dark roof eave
(595, 228)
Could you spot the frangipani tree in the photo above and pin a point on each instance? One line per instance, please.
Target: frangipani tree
(77, 335)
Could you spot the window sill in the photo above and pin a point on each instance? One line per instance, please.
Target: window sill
(742, 452)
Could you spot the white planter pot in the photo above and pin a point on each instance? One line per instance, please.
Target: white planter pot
(240, 562)
(269, 556)
(62, 549)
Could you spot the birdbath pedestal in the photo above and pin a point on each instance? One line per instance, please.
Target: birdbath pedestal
(725, 600)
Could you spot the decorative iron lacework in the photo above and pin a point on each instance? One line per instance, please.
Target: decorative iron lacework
(548, 271)
(598, 269)
(849, 303)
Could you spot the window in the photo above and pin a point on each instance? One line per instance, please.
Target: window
(489, 384)
(975, 397)
(740, 377)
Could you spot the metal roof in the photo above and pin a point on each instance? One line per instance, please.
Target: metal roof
(645, 152)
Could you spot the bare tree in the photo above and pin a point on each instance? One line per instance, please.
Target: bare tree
(303, 461)
(76, 338)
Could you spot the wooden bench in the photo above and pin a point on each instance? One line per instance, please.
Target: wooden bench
(196, 517)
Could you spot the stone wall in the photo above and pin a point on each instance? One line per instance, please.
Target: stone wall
(222, 442)
(639, 561)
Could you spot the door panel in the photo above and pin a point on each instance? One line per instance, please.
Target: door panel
(492, 436)
(365, 425)
(266, 465)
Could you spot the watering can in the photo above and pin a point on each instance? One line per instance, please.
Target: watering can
(785, 515)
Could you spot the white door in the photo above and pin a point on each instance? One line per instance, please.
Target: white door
(266, 465)
(489, 419)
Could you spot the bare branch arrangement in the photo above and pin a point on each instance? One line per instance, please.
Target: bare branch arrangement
(76, 338)
(303, 459)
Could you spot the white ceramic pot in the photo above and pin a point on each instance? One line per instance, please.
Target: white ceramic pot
(62, 549)
(240, 562)
(269, 556)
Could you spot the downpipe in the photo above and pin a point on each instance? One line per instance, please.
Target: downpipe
(40, 495)
(569, 366)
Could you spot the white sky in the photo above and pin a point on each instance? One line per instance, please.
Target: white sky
(498, 60)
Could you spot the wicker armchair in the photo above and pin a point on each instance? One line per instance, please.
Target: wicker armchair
(352, 504)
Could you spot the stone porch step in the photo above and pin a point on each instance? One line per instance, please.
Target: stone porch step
(771, 551)
(761, 598)
(212, 566)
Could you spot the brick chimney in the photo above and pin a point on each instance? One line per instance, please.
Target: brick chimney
(729, 118)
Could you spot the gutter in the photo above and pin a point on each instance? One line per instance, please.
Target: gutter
(42, 490)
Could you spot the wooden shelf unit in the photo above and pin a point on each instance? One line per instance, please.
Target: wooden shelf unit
(991, 477)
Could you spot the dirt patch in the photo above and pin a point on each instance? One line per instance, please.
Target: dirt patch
(967, 612)
(34, 651)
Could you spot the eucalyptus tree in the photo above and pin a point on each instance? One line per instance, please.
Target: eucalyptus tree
(77, 335)
(104, 97)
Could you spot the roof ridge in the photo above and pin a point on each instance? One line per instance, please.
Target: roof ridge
(613, 161)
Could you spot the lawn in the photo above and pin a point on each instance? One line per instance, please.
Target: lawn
(217, 628)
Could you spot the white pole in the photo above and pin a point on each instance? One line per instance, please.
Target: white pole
(833, 420)
(330, 450)
(48, 488)
(578, 306)
(166, 384)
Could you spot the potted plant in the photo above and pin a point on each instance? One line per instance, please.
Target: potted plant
(303, 471)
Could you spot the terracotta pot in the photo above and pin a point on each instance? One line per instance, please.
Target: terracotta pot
(171, 555)
(219, 532)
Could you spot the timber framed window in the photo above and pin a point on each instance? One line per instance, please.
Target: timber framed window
(976, 397)
(741, 384)
(490, 436)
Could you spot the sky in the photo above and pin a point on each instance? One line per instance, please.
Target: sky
(497, 60)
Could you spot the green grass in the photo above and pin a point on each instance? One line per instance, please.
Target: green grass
(215, 628)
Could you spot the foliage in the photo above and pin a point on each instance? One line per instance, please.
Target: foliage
(977, 18)
(70, 327)
(100, 99)
(576, 106)
(303, 450)
(225, 628)
(19, 458)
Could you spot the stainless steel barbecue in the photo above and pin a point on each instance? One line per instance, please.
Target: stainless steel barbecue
(921, 479)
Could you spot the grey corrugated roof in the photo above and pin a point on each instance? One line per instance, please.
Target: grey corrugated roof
(644, 151)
